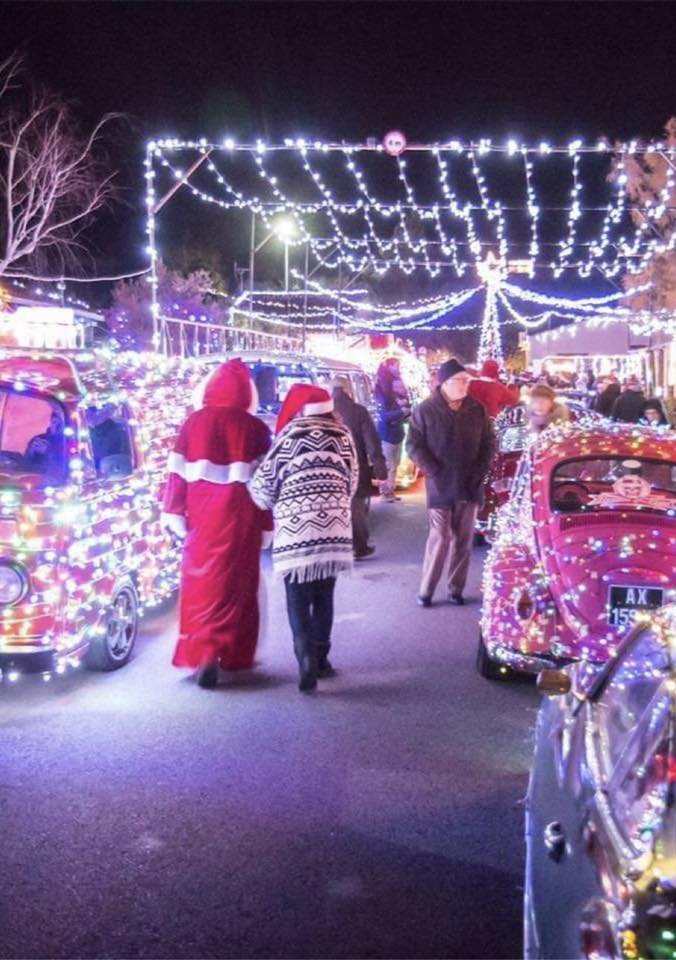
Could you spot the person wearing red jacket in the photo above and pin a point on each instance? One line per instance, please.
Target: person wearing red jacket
(488, 390)
(207, 505)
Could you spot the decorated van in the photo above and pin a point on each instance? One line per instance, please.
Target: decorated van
(84, 438)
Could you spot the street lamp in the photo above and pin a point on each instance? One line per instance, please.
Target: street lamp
(284, 229)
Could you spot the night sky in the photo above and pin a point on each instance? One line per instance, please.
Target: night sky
(345, 70)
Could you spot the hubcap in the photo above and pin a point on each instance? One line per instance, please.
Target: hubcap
(121, 624)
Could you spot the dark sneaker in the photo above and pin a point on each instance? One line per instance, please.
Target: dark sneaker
(457, 598)
(424, 601)
(365, 554)
(326, 670)
(207, 676)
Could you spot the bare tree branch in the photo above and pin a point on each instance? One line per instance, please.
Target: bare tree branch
(53, 178)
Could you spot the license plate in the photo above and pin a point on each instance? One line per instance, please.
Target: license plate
(625, 600)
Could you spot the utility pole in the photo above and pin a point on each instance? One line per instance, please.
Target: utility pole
(307, 266)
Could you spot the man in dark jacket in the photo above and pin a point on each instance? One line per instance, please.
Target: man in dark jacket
(630, 403)
(451, 440)
(369, 455)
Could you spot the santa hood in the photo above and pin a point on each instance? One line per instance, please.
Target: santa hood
(230, 385)
(303, 400)
(490, 369)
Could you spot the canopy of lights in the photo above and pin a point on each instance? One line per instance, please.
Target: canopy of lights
(478, 210)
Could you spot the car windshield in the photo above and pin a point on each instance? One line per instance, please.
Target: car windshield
(603, 483)
(32, 438)
(274, 381)
(627, 686)
(640, 788)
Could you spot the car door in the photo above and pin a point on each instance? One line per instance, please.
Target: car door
(560, 880)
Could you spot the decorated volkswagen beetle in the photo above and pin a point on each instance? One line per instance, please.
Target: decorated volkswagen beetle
(600, 813)
(511, 435)
(587, 539)
(84, 438)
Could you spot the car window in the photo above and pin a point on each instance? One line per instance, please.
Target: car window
(625, 694)
(639, 787)
(274, 381)
(605, 483)
(512, 439)
(111, 439)
(32, 437)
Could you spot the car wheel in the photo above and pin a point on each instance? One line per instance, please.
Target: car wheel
(488, 667)
(113, 648)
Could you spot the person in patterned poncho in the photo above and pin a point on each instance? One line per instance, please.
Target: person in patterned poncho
(308, 480)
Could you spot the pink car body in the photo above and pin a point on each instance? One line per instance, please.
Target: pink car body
(586, 541)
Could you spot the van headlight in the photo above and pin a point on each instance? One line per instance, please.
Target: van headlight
(13, 583)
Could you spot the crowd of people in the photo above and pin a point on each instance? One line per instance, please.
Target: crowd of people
(231, 485)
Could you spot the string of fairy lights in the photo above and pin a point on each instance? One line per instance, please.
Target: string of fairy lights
(618, 243)
(433, 207)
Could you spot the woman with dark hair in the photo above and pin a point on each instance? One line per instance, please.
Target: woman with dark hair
(393, 412)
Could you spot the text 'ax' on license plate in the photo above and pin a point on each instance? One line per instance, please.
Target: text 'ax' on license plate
(624, 600)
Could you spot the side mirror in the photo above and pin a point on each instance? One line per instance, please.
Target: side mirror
(553, 682)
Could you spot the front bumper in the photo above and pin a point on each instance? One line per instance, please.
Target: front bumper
(35, 661)
(523, 662)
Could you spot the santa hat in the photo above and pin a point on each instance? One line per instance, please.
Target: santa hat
(303, 400)
(230, 385)
(490, 369)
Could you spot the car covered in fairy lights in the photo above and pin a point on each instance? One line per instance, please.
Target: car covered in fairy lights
(511, 436)
(84, 441)
(587, 539)
(600, 875)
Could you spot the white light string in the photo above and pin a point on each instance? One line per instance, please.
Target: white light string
(639, 249)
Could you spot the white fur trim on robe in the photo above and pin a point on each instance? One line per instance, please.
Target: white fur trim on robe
(192, 470)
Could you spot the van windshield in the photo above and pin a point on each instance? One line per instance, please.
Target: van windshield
(604, 483)
(273, 382)
(32, 438)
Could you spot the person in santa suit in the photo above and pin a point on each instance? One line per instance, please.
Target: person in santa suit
(491, 392)
(207, 505)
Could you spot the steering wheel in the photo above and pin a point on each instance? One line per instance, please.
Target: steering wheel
(571, 493)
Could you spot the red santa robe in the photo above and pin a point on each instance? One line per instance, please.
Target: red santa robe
(207, 500)
(489, 391)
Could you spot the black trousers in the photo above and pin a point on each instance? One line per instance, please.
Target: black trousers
(360, 523)
(310, 609)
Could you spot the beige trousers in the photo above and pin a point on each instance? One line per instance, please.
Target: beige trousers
(451, 530)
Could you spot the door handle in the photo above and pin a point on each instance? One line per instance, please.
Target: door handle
(555, 840)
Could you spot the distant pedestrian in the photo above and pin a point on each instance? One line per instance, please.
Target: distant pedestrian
(488, 389)
(543, 410)
(605, 399)
(308, 480)
(654, 413)
(207, 505)
(393, 412)
(370, 458)
(630, 403)
(451, 440)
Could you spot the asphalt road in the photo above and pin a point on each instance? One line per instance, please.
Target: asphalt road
(143, 817)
